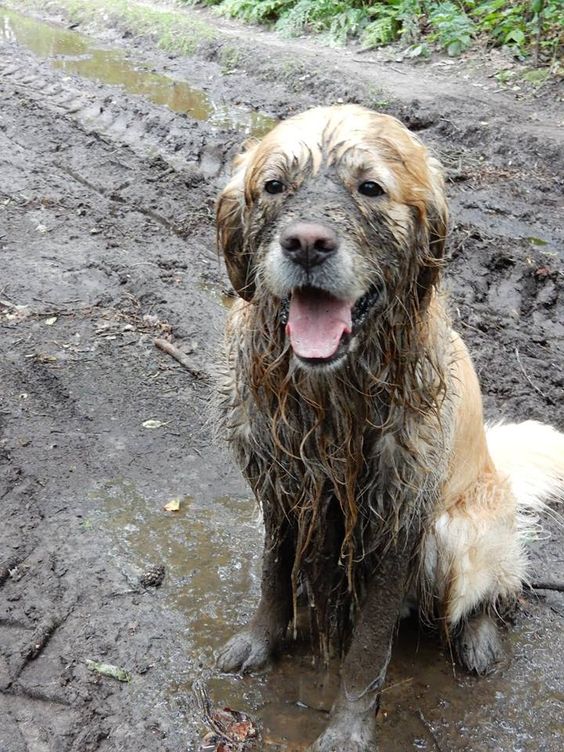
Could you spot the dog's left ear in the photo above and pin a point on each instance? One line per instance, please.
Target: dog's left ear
(230, 220)
(432, 232)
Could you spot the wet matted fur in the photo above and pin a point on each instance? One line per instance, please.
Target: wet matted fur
(354, 410)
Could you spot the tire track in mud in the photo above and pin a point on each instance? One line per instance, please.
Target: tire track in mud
(183, 151)
(149, 131)
(68, 171)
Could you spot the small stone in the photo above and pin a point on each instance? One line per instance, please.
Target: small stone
(153, 577)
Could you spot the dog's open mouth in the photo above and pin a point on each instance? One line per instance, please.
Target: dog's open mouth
(320, 326)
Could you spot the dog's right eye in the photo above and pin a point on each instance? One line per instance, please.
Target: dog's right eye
(274, 186)
(370, 188)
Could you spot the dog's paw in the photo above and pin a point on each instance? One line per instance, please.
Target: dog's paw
(244, 653)
(479, 645)
(347, 733)
(336, 741)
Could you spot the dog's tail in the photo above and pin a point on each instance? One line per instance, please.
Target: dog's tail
(531, 454)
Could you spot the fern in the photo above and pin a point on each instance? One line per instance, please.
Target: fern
(256, 12)
(382, 31)
(451, 28)
(451, 25)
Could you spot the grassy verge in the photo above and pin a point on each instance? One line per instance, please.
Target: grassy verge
(532, 29)
(171, 31)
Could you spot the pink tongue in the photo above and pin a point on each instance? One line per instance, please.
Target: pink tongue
(316, 323)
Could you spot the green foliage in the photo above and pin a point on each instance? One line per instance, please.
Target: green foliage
(451, 28)
(504, 22)
(533, 26)
(255, 11)
(392, 20)
(520, 25)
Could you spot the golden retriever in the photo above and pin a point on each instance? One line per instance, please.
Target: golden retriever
(355, 413)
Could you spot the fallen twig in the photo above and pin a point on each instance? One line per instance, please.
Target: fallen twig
(203, 700)
(430, 731)
(181, 357)
(397, 684)
(39, 639)
(526, 375)
(556, 586)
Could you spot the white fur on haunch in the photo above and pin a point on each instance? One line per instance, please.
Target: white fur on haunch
(477, 553)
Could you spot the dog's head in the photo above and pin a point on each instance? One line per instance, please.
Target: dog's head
(339, 213)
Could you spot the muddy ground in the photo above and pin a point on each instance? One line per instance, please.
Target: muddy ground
(106, 243)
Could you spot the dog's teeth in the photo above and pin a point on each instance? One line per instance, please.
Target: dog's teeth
(284, 311)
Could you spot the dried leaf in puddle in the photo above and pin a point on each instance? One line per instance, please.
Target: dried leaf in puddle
(233, 732)
(108, 669)
(153, 423)
(173, 505)
(242, 731)
(51, 320)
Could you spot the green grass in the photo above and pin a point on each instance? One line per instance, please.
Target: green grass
(529, 29)
(172, 31)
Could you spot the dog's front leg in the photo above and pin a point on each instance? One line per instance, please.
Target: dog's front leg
(250, 649)
(353, 716)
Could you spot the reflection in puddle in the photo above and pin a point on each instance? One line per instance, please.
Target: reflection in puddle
(211, 568)
(74, 53)
(211, 551)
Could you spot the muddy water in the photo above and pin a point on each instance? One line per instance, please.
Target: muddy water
(218, 294)
(76, 54)
(211, 551)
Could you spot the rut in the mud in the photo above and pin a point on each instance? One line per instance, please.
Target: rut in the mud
(107, 242)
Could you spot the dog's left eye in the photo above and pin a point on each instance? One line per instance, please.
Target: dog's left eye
(274, 186)
(370, 188)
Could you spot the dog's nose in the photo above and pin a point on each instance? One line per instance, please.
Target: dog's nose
(308, 243)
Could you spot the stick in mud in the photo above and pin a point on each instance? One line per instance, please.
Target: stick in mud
(181, 357)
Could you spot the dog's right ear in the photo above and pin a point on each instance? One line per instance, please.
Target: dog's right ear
(230, 218)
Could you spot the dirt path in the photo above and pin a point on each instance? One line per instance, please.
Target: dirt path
(106, 242)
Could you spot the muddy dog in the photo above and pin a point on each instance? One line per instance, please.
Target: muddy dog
(355, 412)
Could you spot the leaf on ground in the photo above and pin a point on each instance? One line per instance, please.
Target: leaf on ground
(235, 732)
(153, 423)
(108, 669)
(173, 505)
(51, 320)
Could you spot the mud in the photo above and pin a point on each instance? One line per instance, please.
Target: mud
(106, 242)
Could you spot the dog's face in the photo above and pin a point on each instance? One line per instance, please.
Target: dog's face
(337, 213)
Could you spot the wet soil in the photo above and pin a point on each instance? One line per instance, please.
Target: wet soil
(111, 155)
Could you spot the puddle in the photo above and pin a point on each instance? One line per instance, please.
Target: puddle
(218, 294)
(208, 563)
(76, 54)
(211, 549)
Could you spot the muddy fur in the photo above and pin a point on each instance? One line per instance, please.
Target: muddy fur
(333, 453)
(371, 462)
(331, 456)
